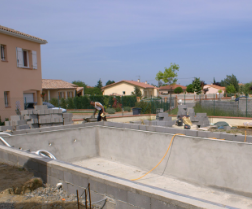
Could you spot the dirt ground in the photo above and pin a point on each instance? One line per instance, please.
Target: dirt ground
(44, 197)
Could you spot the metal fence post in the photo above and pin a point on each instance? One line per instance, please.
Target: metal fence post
(184, 99)
(246, 105)
(122, 105)
(214, 104)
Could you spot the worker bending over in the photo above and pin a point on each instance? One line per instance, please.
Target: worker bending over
(98, 106)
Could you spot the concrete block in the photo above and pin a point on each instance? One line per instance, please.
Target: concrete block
(142, 127)
(7, 123)
(151, 128)
(126, 125)
(153, 122)
(134, 126)
(50, 111)
(178, 131)
(41, 112)
(118, 125)
(5, 128)
(147, 122)
(24, 112)
(239, 138)
(15, 117)
(203, 134)
(249, 139)
(229, 137)
(21, 122)
(67, 115)
(35, 112)
(201, 115)
(161, 129)
(170, 123)
(22, 127)
(216, 135)
(163, 114)
(161, 123)
(34, 126)
(191, 132)
(40, 107)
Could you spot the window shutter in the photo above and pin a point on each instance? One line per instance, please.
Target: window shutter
(34, 60)
(20, 60)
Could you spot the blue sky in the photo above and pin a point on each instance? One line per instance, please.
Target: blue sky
(122, 40)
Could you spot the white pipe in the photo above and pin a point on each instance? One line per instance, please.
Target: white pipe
(4, 133)
(45, 153)
(5, 142)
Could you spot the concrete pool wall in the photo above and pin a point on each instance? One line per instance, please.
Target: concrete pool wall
(225, 165)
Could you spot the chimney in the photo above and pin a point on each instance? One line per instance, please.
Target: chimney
(145, 82)
(138, 80)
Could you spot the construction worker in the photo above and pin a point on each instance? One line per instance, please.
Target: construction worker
(98, 106)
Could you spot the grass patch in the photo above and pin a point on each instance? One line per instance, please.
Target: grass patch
(174, 111)
(79, 112)
(217, 112)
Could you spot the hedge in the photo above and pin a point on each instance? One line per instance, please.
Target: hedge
(83, 102)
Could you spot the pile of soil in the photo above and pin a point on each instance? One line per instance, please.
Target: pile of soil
(20, 190)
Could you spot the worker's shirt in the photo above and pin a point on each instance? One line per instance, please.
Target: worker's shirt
(96, 107)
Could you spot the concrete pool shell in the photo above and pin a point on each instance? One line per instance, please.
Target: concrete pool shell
(196, 173)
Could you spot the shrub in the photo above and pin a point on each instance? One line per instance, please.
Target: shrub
(178, 90)
(127, 109)
(118, 108)
(54, 102)
(63, 103)
(189, 88)
(110, 110)
(146, 107)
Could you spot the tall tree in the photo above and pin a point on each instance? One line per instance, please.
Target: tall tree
(231, 79)
(169, 75)
(190, 88)
(197, 86)
(137, 92)
(79, 83)
(99, 84)
(109, 82)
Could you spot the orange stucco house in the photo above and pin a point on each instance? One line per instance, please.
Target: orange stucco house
(20, 71)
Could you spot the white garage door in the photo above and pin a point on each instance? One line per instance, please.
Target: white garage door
(28, 98)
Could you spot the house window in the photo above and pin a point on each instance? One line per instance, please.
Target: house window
(24, 56)
(61, 95)
(3, 52)
(7, 98)
(123, 92)
(70, 94)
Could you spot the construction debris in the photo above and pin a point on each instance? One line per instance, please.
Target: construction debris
(38, 117)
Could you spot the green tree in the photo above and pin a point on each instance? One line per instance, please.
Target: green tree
(197, 85)
(231, 79)
(190, 88)
(99, 84)
(109, 82)
(79, 83)
(178, 90)
(169, 76)
(137, 92)
(246, 88)
(230, 89)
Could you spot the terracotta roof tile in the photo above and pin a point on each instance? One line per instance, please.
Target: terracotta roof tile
(174, 86)
(13, 32)
(135, 83)
(78, 89)
(215, 86)
(57, 84)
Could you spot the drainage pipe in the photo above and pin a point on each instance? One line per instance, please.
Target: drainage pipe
(4, 133)
(5, 142)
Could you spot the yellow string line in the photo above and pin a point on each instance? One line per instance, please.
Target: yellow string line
(160, 160)
(245, 136)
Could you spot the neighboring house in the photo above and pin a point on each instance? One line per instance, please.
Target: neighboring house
(126, 87)
(214, 89)
(170, 89)
(60, 89)
(20, 68)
